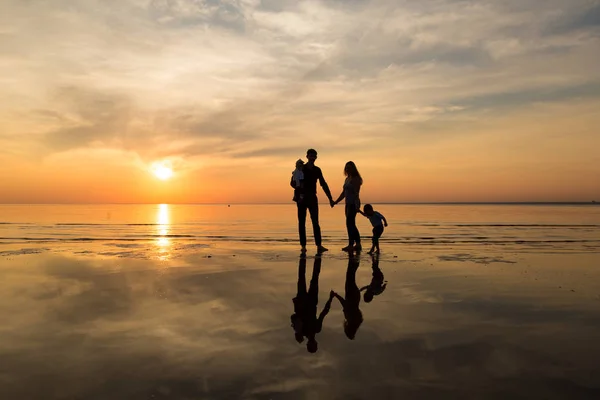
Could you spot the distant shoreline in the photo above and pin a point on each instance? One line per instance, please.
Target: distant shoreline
(516, 203)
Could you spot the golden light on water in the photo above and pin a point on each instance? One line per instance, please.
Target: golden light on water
(163, 242)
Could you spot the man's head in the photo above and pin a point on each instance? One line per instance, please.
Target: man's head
(311, 155)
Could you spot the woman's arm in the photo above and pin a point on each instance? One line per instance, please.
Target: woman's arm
(340, 298)
(342, 196)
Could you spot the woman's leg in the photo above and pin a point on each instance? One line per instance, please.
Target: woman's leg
(353, 232)
(350, 223)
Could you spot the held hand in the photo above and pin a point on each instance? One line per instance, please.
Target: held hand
(332, 203)
(385, 224)
(331, 294)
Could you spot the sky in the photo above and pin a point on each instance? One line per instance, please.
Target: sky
(434, 100)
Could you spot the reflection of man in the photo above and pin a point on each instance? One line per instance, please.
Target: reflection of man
(312, 174)
(304, 320)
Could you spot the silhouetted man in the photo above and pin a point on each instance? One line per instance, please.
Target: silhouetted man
(312, 174)
(304, 320)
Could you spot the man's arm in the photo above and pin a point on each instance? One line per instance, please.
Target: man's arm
(324, 186)
(325, 311)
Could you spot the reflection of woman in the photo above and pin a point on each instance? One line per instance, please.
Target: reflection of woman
(352, 315)
(351, 192)
(304, 320)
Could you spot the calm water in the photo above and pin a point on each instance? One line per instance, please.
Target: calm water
(146, 229)
(199, 302)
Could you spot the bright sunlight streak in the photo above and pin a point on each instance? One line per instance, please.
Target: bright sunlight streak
(162, 170)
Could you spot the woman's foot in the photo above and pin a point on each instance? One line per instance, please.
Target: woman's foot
(358, 248)
(303, 249)
(322, 249)
(371, 251)
(348, 248)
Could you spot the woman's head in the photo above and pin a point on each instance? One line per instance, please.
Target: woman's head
(352, 323)
(351, 171)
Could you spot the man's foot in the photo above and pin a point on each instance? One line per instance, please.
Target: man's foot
(347, 248)
(303, 249)
(321, 249)
(358, 248)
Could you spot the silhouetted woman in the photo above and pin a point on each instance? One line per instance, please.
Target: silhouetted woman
(352, 315)
(351, 192)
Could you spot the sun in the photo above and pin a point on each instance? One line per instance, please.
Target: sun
(162, 170)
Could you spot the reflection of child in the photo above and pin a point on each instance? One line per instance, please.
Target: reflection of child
(377, 285)
(298, 179)
(378, 221)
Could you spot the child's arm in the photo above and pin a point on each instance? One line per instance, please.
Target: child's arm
(361, 213)
(384, 220)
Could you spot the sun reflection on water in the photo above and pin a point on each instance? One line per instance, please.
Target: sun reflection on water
(163, 242)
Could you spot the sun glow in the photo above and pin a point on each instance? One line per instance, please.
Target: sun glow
(162, 170)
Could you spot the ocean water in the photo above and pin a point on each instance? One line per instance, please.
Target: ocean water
(161, 302)
(170, 230)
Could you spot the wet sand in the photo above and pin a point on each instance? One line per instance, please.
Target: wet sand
(215, 324)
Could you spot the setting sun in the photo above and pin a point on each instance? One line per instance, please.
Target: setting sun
(162, 171)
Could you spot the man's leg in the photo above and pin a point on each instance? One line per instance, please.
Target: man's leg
(301, 277)
(302, 223)
(314, 216)
(313, 290)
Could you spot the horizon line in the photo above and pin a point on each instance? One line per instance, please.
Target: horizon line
(592, 202)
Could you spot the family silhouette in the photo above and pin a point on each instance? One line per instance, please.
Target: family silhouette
(305, 322)
(304, 182)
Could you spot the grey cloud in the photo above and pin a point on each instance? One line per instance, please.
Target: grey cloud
(526, 97)
(191, 13)
(90, 116)
(587, 19)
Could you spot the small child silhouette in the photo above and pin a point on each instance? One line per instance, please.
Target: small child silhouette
(378, 284)
(298, 180)
(378, 221)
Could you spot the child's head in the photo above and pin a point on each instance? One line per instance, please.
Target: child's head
(368, 296)
(368, 209)
(299, 164)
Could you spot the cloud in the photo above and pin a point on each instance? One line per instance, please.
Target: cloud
(89, 117)
(233, 80)
(583, 19)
